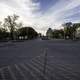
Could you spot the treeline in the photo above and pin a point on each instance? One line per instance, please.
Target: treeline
(11, 29)
(70, 31)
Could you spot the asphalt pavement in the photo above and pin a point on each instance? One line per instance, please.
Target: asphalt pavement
(40, 60)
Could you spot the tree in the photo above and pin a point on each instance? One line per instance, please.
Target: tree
(3, 34)
(28, 32)
(58, 33)
(75, 27)
(68, 29)
(49, 33)
(10, 23)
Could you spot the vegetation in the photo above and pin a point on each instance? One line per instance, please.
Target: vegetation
(27, 33)
(3, 34)
(59, 34)
(12, 29)
(69, 31)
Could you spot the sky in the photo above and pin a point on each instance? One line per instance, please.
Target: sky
(42, 14)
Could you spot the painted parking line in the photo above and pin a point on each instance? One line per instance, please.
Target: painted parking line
(59, 68)
(21, 72)
(2, 74)
(37, 70)
(27, 69)
(12, 74)
(48, 70)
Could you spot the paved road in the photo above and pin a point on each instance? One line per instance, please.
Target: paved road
(25, 60)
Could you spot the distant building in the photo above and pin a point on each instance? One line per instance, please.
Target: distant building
(49, 33)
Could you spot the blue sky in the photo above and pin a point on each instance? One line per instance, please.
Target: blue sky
(42, 14)
(45, 4)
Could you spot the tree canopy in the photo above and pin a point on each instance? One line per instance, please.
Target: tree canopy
(27, 31)
(12, 28)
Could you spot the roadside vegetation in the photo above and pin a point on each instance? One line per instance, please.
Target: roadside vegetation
(70, 31)
(11, 29)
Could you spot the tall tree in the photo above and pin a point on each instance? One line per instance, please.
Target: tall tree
(75, 26)
(10, 23)
(67, 29)
(49, 33)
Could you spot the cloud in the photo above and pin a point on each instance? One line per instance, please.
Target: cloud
(58, 13)
(24, 8)
(30, 12)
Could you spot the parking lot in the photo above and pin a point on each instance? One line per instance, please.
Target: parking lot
(25, 60)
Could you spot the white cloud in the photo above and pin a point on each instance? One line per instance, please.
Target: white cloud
(30, 14)
(56, 15)
(24, 8)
